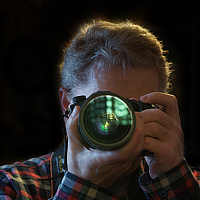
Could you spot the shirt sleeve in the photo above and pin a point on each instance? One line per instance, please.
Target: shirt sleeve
(73, 187)
(7, 192)
(178, 183)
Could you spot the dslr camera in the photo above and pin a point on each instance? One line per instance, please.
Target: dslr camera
(106, 120)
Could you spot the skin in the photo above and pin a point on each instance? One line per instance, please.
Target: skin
(156, 131)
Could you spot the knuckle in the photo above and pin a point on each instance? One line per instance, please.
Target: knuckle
(158, 114)
(174, 99)
(153, 130)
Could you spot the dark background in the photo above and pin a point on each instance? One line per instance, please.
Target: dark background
(32, 36)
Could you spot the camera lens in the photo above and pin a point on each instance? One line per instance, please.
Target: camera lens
(106, 121)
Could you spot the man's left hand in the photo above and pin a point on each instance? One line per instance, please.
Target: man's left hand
(163, 134)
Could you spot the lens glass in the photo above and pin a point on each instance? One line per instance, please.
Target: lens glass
(107, 119)
(107, 123)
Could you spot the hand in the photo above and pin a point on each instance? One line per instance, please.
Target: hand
(102, 167)
(163, 133)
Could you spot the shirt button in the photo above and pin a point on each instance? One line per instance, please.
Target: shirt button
(163, 193)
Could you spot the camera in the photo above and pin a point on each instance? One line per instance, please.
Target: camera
(106, 120)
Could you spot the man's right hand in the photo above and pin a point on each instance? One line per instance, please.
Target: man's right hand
(102, 168)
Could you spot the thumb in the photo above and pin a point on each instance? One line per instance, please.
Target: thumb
(73, 117)
(72, 125)
(75, 111)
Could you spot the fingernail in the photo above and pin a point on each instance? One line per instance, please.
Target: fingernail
(144, 97)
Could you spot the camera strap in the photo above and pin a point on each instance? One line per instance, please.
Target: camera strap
(58, 161)
(57, 168)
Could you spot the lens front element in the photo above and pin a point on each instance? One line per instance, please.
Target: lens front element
(106, 121)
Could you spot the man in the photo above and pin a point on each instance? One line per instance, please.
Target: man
(128, 60)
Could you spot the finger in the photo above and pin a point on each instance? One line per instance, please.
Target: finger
(72, 129)
(169, 103)
(153, 145)
(158, 116)
(163, 149)
(156, 131)
(162, 133)
(72, 123)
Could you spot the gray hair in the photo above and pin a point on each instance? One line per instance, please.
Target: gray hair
(105, 45)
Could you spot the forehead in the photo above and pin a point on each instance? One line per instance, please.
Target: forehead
(132, 83)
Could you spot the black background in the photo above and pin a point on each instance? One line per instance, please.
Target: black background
(32, 36)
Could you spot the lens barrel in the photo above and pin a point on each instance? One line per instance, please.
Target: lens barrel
(106, 120)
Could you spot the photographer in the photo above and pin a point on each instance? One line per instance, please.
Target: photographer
(128, 60)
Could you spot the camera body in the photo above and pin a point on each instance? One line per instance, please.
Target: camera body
(107, 120)
(138, 106)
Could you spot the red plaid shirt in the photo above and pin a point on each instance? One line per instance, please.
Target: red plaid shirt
(22, 181)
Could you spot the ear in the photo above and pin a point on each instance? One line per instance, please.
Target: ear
(64, 99)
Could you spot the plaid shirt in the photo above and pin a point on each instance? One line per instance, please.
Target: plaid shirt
(23, 181)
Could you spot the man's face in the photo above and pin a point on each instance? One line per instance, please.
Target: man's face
(133, 84)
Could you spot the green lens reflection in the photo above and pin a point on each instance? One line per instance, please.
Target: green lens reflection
(107, 123)
(107, 118)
